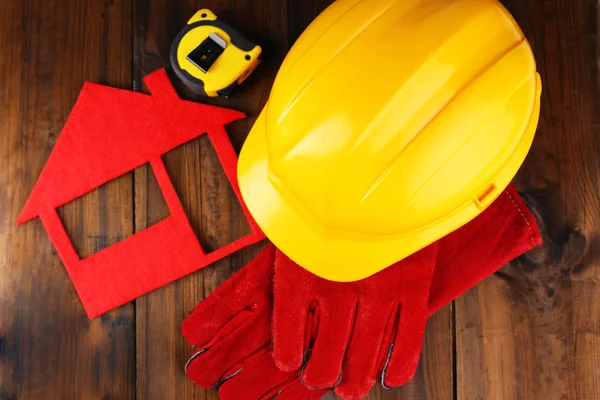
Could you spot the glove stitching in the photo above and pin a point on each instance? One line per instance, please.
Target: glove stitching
(276, 395)
(387, 361)
(522, 215)
(222, 380)
(394, 318)
(187, 364)
(314, 388)
(349, 339)
(254, 359)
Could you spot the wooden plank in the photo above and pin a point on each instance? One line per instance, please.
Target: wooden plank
(434, 377)
(48, 347)
(157, 332)
(200, 182)
(534, 333)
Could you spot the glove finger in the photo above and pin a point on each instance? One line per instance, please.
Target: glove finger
(361, 363)
(261, 379)
(290, 314)
(232, 302)
(226, 354)
(324, 366)
(403, 354)
(256, 378)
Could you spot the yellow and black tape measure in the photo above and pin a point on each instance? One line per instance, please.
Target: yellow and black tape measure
(211, 57)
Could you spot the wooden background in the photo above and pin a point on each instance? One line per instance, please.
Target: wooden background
(531, 332)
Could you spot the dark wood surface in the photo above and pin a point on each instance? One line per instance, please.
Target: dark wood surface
(530, 332)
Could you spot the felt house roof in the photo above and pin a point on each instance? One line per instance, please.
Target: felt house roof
(123, 130)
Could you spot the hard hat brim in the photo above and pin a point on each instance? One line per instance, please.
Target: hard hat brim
(344, 258)
(328, 256)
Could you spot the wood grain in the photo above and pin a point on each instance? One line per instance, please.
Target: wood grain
(199, 180)
(48, 347)
(158, 314)
(434, 377)
(533, 333)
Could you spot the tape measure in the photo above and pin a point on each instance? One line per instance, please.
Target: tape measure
(211, 57)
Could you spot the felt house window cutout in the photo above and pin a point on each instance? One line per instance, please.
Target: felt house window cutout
(110, 219)
(110, 132)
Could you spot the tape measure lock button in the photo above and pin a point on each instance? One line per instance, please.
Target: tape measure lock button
(211, 57)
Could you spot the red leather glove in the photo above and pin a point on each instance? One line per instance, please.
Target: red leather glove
(232, 326)
(365, 327)
(232, 329)
(500, 234)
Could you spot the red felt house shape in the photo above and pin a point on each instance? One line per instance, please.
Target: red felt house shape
(111, 132)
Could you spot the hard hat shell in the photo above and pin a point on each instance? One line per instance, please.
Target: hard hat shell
(391, 123)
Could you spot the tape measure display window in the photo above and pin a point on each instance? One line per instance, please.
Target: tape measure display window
(205, 55)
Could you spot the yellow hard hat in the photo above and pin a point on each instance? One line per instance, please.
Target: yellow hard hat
(391, 123)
